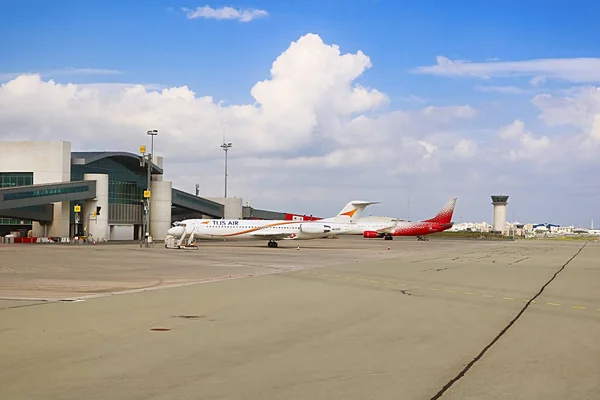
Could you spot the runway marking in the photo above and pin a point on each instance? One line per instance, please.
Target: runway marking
(553, 304)
(450, 291)
(417, 287)
(578, 307)
(467, 293)
(401, 284)
(375, 281)
(324, 274)
(347, 277)
(387, 283)
(508, 298)
(337, 276)
(433, 288)
(487, 295)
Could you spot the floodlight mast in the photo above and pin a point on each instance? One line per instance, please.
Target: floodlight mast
(226, 146)
(152, 133)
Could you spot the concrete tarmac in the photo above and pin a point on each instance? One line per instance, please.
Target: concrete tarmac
(342, 318)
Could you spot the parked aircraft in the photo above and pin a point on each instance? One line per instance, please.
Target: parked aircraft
(273, 231)
(439, 223)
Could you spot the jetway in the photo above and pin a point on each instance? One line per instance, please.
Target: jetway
(187, 205)
(34, 202)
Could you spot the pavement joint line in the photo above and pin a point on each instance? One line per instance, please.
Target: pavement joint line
(500, 334)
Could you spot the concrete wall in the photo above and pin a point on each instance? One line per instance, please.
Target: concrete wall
(160, 209)
(233, 206)
(97, 227)
(50, 162)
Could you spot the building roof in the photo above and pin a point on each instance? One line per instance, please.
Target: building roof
(130, 160)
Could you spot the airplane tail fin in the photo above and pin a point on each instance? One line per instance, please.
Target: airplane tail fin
(445, 214)
(352, 211)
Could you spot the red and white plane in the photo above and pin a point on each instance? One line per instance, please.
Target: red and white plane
(377, 229)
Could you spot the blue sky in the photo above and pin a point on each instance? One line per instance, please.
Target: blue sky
(153, 42)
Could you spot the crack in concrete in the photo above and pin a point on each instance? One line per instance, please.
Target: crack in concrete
(462, 373)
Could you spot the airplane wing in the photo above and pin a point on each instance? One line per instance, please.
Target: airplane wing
(271, 235)
(387, 229)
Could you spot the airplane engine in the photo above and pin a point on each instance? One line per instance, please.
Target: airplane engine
(315, 228)
(371, 234)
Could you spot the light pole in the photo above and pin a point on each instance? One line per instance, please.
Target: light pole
(225, 147)
(152, 133)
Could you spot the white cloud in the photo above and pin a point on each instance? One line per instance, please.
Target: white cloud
(430, 148)
(465, 148)
(580, 108)
(502, 89)
(529, 145)
(537, 80)
(208, 12)
(313, 137)
(570, 69)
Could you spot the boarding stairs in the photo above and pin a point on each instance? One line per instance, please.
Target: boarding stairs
(187, 241)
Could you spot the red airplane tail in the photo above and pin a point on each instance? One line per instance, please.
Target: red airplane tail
(445, 214)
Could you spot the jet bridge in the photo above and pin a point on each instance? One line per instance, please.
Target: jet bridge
(34, 202)
(187, 205)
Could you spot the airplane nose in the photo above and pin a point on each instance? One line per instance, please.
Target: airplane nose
(176, 231)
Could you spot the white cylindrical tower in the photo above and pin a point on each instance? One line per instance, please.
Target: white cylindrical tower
(96, 225)
(499, 202)
(160, 204)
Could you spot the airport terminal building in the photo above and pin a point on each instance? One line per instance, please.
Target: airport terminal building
(57, 193)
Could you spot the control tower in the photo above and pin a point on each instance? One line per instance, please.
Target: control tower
(499, 202)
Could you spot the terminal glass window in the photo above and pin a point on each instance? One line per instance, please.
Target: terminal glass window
(14, 179)
(126, 185)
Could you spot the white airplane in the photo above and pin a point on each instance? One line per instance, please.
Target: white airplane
(271, 230)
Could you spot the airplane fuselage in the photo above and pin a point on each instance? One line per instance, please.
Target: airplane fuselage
(404, 228)
(223, 229)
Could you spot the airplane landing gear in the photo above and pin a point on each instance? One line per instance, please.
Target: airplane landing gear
(272, 243)
(424, 238)
(388, 237)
